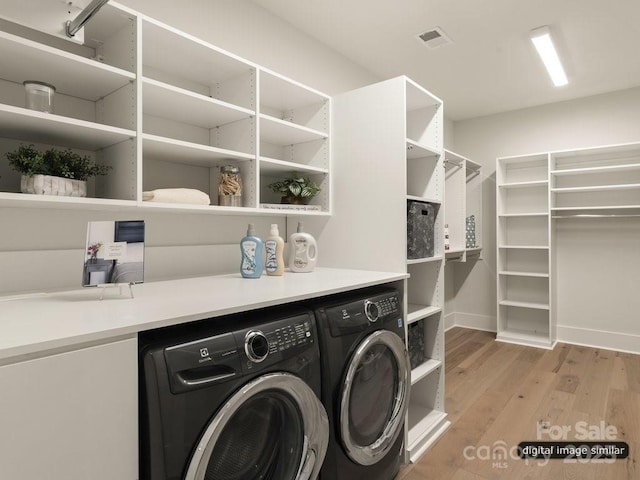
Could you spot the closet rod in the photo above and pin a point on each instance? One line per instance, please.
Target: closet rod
(451, 162)
(473, 175)
(84, 16)
(600, 215)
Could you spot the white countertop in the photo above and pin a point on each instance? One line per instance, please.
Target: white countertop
(42, 322)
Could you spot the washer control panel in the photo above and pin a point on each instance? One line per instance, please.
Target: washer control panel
(278, 337)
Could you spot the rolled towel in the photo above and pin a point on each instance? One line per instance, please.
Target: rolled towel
(177, 195)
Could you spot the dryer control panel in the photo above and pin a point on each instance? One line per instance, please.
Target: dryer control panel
(364, 314)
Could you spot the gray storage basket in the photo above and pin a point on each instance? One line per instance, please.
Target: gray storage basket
(421, 218)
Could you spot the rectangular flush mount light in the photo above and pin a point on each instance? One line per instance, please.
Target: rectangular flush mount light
(541, 38)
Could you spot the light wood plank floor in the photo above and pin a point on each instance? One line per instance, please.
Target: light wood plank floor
(498, 395)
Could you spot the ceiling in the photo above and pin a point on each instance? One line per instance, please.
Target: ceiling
(491, 65)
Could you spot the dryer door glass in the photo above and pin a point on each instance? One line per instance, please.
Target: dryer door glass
(375, 398)
(274, 428)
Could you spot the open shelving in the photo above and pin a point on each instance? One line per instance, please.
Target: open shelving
(463, 200)
(524, 240)
(603, 180)
(166, 110)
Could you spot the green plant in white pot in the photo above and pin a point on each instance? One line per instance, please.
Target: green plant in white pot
(297, 190)
(54, 172)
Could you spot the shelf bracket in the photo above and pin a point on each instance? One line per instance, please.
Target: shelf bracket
(84, 16)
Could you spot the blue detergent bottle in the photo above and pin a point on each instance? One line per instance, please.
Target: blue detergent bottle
(251, 248)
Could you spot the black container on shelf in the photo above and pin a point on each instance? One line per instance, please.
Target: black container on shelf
(416, 344)
(421, 218)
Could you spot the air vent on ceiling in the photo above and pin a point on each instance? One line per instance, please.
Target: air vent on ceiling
(434, 38)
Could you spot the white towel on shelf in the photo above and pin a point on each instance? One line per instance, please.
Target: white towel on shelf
(177, 195)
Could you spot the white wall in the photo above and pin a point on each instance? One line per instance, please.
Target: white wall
(44, 249)
(596, 269)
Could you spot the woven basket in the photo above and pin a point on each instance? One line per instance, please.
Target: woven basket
(48, 185)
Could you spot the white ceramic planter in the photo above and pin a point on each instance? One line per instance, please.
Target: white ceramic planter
(48, 185)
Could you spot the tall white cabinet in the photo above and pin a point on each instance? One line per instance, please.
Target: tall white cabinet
(388, 150)
(165, 110)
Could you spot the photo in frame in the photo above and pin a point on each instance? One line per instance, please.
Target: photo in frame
(114, 253)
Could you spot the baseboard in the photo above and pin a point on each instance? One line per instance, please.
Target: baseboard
(620, 342)
(486, 323)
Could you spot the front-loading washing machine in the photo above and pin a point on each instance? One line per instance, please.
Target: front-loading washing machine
(232, 398)
(365, 383)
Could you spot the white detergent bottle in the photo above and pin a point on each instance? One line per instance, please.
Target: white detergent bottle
(274, 246)
(303, 251)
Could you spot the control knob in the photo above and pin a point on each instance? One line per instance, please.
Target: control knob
(256, 346)
(371, 310)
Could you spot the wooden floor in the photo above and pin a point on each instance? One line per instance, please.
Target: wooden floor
(499, 394)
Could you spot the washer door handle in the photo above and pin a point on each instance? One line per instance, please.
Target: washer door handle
(307, 467)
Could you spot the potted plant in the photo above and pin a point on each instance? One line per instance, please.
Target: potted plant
(297, 190)
(54, 172)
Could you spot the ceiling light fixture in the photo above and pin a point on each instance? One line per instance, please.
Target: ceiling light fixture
(541, 38)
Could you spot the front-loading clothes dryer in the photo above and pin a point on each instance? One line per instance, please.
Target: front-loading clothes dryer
(365, 383)
(233, 398)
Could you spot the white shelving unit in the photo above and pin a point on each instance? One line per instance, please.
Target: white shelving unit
(596, 181)
(393, 130)
(425, 182)
(463, 198)
(534, 192)
(164, 109)
(525, 302)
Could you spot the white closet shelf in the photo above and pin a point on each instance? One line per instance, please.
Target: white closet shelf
(417, 150)
(533, 183)
(598, 208)
(275, 166)
(172, 51)
(472, 166)
(424, 369)
(415, 261)
(284, 94)
(533, 305)
(177, 151)
(526, 214)
(597, 188)
(474, 250)
(525, 247)
(38, 127)
(424, 199)
(418, 97)
(60, 202)
(524, 274)
(280, 132)
(167, 101)
(423, 423)
(23, 59)
(525, 337)
(591, 170)
(417, 312)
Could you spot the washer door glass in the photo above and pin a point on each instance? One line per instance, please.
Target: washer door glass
(375, 397)
(274, 428)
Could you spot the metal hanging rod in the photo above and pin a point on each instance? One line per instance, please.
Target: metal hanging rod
(451, 162)
(474, 174)
(600, 215)
(84, 16)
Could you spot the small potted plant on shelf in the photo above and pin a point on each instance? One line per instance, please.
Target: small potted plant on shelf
(54, 172)
(297, 190)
